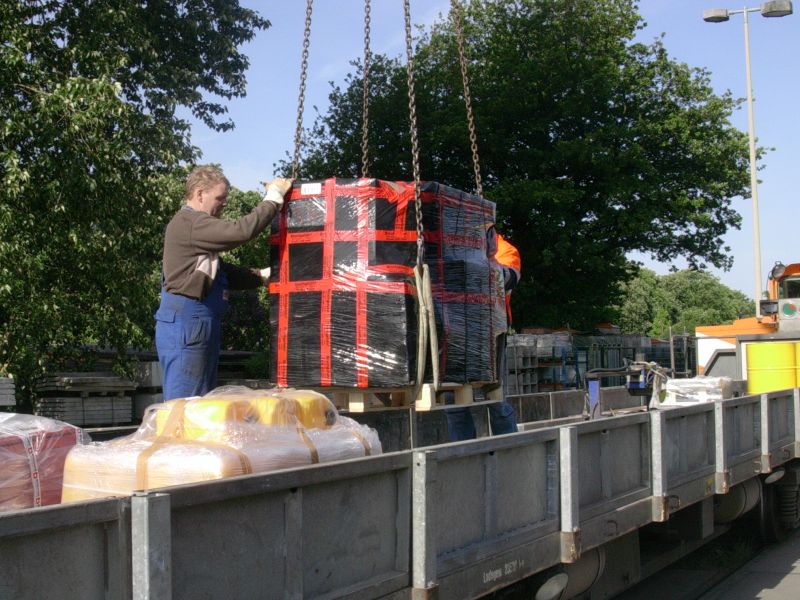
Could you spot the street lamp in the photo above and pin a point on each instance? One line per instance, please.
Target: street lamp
(776, 8)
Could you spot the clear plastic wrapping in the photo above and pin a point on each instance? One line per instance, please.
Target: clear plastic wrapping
(32, 454)
(697, 389)
(231, 431)
(342, 293)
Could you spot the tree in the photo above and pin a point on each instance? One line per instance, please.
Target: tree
(592, 145)
(683, 300)
(247, 323)
(641, 298)
(89, 134)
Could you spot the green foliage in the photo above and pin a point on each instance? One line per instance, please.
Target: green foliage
(683, 300)
(592, 145)
(246, 325)
(89, 137)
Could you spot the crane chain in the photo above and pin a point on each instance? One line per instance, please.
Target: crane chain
(412, 113)
(302, 95)
(365, 99)
(456, 12)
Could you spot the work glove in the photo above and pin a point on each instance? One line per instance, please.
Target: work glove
(276, 190)
(264, 273)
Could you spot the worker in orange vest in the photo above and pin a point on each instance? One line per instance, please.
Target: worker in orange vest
(508, 257)
(502, 418)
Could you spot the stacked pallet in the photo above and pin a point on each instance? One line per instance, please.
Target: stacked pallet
(149, 387)
(521, 357)
(85, 398)
(7, 392)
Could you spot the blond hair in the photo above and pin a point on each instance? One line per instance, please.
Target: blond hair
(204, 177)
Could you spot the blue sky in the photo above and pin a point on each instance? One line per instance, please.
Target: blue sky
(265, 119)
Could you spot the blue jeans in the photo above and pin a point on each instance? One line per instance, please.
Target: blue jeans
(188, 339)
(461, 425)
(502, 418)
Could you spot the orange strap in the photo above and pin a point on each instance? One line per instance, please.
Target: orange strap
(364, 442)
(168, 436)
(309, 444)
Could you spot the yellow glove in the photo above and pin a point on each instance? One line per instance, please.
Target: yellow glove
(264, 273)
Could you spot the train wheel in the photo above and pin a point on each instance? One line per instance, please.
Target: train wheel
(772, 529)
(779, 510)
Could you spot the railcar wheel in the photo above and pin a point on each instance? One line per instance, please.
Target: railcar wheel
(779, 511)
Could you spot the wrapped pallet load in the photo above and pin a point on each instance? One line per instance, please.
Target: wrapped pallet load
(342, 291)
(32, 454)
(230, 431)
(697, 389)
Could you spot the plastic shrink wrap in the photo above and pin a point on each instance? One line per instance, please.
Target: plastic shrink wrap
(230, 431)
(697, 389)
(32, 454)
(342, 292)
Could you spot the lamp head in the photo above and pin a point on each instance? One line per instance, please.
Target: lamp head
(777, 270)
(716, 15)
(776, 8)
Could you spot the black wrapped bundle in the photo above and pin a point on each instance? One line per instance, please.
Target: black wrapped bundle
(342, 294)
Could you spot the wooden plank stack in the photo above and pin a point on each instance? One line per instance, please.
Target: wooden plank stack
(85, 398)
(7, 397)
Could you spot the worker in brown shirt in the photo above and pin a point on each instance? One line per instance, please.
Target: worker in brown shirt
(195, 280)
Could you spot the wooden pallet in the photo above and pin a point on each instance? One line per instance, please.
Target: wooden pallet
(83, 382)
(428, 398)
(87, 410)
(7, 392)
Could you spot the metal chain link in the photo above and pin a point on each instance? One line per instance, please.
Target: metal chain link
(456, 12)
(412, 114)
(302, 95)
(365, 100)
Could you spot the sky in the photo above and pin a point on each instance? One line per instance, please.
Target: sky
(265, 119)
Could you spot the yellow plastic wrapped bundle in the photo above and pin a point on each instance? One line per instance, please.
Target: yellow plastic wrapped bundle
(231, 431)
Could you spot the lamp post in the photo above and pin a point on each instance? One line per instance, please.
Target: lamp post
(776, 8)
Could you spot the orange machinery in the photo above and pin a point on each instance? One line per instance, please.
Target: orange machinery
(763, 350)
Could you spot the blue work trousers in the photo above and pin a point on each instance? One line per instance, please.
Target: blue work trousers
(188, 339)
(502, 418)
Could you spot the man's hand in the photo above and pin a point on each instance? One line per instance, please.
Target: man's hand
(264, 274)
(276, 190)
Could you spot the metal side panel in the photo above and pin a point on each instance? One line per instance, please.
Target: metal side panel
(737, 424)
(501, 569)
(568, 403)
(683, 456)
(68, 551)
(491, 513)
(614, 477)
(618, 397)
(609, 526)
(777, 415)
(329, 531)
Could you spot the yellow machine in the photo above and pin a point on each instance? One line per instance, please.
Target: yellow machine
(765, 350)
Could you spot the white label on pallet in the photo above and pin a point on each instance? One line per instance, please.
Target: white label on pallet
(311, 189)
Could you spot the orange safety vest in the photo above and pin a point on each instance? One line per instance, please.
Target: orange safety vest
(508, 256)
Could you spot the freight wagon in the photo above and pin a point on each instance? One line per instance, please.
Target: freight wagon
(567, 503)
